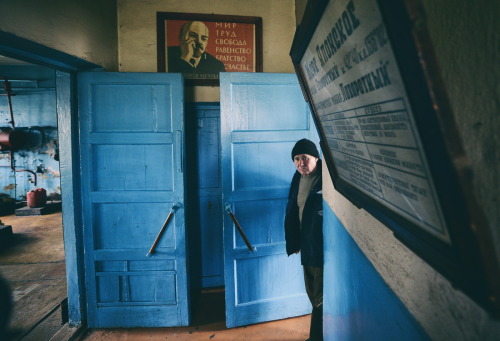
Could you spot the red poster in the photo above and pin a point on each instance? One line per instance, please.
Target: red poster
(200, 49)
(231, 43)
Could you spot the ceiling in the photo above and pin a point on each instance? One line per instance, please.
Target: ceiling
(9, 61)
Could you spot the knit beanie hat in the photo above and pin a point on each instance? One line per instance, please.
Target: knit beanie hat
(305, 146)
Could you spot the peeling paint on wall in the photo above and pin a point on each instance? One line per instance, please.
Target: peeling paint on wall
(9, 187)
(35, 116)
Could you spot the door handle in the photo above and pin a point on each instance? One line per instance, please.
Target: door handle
(163, 228)
(238, 227)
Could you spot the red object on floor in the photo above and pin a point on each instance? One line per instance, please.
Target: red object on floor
(37, 197)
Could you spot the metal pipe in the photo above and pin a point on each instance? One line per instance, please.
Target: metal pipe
(20, 170)
(7, 89)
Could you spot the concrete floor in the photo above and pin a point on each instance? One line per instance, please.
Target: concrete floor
(34, 267)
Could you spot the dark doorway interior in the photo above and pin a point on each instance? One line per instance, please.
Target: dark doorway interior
(204, 194)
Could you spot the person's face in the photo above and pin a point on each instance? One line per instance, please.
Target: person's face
(305, 163)
(197, 35)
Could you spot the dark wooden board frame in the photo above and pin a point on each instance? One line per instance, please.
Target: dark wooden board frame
(469, 259)
(162, 17)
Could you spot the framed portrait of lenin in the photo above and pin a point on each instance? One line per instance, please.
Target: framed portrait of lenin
(200, 46)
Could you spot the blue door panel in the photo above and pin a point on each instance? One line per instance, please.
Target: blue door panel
(264, 269)
(209, 191)
(137, 107)
(262, 116)
(120, 173)
(132, 175)
(152, 288)
(271, 215)
(111, 231)
(208, 149)
(262, 165)
(203, 144)
(211, 241)
(267, 114)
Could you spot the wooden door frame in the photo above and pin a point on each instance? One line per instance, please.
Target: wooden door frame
(66, 67)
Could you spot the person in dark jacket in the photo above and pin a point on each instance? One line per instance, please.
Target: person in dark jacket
(304, 226)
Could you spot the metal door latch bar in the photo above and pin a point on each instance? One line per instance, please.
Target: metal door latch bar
(238, 227)
(163, 228)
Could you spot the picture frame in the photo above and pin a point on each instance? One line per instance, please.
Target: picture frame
(214, 43)
(368, 72)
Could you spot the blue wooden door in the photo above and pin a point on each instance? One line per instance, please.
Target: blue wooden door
(204, 195)
(262, 116)
(131, 127)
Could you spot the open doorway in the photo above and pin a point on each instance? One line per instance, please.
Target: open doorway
(204, 221)
(205, 195)
(32, 251)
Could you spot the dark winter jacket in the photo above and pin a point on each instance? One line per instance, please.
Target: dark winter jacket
(308, 238)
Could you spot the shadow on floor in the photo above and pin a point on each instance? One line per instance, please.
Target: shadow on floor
(33, 264)
(18, 241)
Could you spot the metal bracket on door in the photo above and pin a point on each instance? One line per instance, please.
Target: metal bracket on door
(238, 227)
(174, 208)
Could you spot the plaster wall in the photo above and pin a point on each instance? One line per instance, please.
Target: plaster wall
(137, 34)
(82, 28)
(465, 36)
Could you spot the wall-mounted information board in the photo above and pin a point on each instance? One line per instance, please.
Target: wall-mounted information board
(361, 68)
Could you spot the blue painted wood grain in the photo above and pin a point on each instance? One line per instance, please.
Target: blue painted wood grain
(262, 116)
(71, 197)
(358, 304)
(205, 192)
(132, 145)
